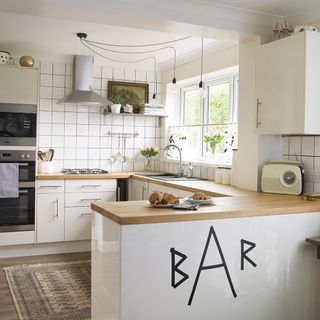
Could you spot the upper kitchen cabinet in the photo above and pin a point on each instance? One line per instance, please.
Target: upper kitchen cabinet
(18, 85)
(288, 85)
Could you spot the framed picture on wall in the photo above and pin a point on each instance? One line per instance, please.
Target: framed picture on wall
(135, 94)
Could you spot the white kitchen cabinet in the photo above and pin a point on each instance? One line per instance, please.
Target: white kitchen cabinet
(77, 224)
(287, 85)
(50, 217)
(138, 190)
(153, 187)
(84, 199)
(78, 198)
(18, 85)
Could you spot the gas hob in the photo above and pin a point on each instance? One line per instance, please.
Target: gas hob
(84, 171)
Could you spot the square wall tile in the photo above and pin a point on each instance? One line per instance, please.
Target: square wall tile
(107, 72)
(46, 67)
(46, 80)
(70, 142)
(295, 145)
(70, 153)
(45, 129)
(70, 129)
(285, 145)
(45, 104)
(82, 130)
(82, 142)
(59, 81)
(45, 117)
(59, 68)
(130, 75)
(308, 146)
(58, 117)
(57, 141)
(82, 118)
(58, 129)
(58, 93)
(118, 73)
(46, 92)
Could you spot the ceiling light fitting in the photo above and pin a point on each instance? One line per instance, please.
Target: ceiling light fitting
(89, 44)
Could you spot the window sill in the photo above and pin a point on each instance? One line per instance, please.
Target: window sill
(203, 163)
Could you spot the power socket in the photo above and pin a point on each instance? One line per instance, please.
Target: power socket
(312, 175)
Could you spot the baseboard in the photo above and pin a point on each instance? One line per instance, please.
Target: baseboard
(44, 248)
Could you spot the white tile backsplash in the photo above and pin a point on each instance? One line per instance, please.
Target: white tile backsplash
(307, 150)
(79, 133)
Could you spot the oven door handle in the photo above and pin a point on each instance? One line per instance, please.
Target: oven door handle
(23, 164)
(24, 191)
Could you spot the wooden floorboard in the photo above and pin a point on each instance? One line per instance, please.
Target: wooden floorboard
(7, 308)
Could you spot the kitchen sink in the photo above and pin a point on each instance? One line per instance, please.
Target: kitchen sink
(168, 176)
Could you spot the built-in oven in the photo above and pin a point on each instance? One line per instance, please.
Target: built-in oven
(18, 214)
(18, 124)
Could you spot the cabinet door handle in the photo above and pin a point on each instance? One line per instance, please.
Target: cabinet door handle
(143, 192)
(97, 199)
(57, 209)
(50, 186)
(91, 186)
(118, 194)
(85, 214)
(258, 122)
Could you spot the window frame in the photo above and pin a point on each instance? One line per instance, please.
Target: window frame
(231, 77)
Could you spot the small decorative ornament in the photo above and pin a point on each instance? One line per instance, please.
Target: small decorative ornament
(26, 61)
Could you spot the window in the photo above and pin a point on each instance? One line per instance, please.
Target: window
(214, 117)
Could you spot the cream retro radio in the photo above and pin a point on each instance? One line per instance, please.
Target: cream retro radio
(282, 177)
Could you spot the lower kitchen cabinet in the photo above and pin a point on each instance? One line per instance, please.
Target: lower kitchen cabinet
(153, 187)
(50, 217)
(138, 190)
(77, 224)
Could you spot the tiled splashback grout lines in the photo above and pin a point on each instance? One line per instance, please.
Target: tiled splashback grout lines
(307, 150)
(79, 133)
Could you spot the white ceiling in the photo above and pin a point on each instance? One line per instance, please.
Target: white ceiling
(46, 27)
(273, 7)
(36, 35)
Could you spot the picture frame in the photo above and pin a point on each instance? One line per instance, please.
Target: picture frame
(139, 91)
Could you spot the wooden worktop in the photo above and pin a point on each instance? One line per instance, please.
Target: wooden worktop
(61, 176)
(207, 186)
(260, 204)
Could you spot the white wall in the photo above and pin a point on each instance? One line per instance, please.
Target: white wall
(213, 62)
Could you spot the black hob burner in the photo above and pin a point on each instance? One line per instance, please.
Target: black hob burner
(84, 171)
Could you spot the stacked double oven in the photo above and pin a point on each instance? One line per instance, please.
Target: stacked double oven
(18, 145)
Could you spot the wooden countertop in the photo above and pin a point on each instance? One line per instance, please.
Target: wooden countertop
(61, 176)
(139, 212)
(207, 186)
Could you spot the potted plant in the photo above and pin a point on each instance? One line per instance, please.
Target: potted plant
(149, 153)
(117, 101)
(213, 140)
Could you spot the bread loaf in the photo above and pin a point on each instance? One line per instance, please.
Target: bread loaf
(170, 198)
(155, 198)
(199, 196)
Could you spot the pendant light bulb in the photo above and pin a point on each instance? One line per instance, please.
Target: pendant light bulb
(154, 99)
(202, 91)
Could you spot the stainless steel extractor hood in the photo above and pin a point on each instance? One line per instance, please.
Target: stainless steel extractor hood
(82, 84)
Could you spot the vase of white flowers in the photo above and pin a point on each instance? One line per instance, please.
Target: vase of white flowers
(149, 153)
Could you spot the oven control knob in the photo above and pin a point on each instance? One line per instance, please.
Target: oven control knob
(28, 156)
(22, 156)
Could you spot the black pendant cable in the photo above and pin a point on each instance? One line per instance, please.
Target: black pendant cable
(89, 44)
(201, 88)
